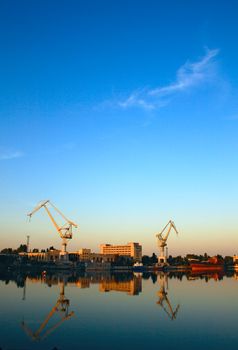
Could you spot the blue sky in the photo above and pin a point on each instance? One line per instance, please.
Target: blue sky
(125, 115)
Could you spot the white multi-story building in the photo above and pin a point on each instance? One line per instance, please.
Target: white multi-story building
(132, 249)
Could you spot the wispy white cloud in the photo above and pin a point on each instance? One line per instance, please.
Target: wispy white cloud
(6, 155)
(137, 99)
(188, 76)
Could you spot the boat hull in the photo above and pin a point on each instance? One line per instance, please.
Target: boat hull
(206, 267)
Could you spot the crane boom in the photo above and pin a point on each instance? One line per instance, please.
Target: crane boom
(171, 225)
(53, 220)
(38, 207)
(69, 221)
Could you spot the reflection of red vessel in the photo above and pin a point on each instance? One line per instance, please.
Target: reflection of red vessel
(207, 275)
(212, 264)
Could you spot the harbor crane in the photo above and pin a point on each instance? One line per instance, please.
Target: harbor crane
(64, 231)
(162, 241)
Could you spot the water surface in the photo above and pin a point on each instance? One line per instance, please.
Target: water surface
(119, 311)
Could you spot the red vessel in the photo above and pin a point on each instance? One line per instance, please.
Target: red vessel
(212, 264)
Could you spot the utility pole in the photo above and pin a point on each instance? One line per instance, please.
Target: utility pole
(27, 243)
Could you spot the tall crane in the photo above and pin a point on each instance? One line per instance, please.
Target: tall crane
(64, 231)
(162, 241)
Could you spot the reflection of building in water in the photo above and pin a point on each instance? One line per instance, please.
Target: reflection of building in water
(61, 308)
(131, 287)
(235, 275)
(82, 283)
(125, 282)
(164, 301)
(235, 262)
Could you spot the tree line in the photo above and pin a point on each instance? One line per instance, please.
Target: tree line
(146, 259)
(184, 260)
(23, 249)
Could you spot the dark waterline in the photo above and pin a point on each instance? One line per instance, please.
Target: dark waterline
(119, 311)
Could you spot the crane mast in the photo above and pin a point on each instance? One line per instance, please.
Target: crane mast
(65, 231)
(162, 238)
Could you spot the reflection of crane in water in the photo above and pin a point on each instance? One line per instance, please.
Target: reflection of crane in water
(24, 291)
(61, 306)
(164, 299)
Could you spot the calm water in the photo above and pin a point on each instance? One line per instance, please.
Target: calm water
(120, 311)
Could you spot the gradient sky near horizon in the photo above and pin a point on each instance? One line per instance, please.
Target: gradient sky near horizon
(125, 115)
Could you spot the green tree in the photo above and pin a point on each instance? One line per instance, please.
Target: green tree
(154, 259)
(22, 248)
(220, 257)
(149, 260)
(7, 251)
(122, 260)
(145, 260)
(228, 260)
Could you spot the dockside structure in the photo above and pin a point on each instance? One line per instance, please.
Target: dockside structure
(108, 253)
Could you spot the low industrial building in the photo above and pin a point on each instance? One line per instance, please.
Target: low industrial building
(86, 254)
(50, 255)
(235, 259)
(108, 254)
